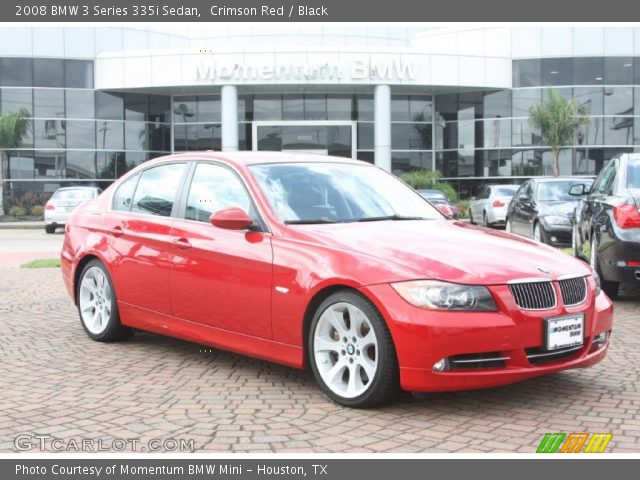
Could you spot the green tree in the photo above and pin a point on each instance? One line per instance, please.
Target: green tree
(13, 129)
(558, 121)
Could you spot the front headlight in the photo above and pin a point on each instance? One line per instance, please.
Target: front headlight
(557, 220)
(435, 295)
(596, 279)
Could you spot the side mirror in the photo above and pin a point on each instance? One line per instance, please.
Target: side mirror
(231, 219)
(578, 190)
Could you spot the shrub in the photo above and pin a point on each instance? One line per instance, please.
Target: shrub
(18, 212)
(429, 179)
(463, 208)
(37, 211)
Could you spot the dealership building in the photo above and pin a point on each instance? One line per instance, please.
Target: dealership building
(104, 99)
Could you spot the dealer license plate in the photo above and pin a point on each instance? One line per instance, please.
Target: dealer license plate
(564, 332)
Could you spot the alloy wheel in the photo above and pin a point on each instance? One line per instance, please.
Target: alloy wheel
(95, 300)
(345, 348)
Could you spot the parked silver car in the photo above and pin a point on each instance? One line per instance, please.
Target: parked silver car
(63, 202)
(490, 206)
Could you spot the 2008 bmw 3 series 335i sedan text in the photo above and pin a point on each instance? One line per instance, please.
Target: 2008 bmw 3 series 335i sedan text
(332, 264)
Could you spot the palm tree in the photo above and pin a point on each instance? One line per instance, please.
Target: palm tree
(558, 121)
(13, 129)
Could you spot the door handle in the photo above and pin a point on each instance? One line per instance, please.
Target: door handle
(117, 231)
(181, 243)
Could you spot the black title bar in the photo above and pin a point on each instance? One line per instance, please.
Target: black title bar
(318, 11)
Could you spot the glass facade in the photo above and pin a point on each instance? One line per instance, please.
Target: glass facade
(76, 135)
(487, 134)
(79, 135)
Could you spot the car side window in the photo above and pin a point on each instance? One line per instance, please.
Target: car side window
(157, 189)
(606, 182)
(215, 188)
(123, 198)
(525, 191)
(595, 187)
(487, 192)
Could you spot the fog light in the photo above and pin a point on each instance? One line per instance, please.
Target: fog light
(554, 239)
(600, 339)
(440, 365)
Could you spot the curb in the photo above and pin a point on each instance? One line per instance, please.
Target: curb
(21, 225)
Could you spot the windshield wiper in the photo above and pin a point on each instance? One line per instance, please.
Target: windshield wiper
(309, 222)
(389, 217)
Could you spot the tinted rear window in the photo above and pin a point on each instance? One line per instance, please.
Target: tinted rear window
(157, 189)
(505, 191)
(80, 194)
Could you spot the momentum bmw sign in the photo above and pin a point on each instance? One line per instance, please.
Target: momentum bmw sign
(394, 69)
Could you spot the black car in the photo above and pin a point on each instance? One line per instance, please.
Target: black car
(543, 209)
(607, 226)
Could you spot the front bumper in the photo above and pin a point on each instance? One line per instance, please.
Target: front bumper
(558, 235)
(423, 337)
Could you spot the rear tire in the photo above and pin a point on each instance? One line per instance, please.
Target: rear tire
(98, 305)
(50, 228)
(351, 352)
(485, 220)
(608, 287)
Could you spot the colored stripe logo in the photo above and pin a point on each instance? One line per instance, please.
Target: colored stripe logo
(574, 442)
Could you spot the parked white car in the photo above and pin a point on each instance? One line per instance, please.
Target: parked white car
(63, 202)
(490, 206)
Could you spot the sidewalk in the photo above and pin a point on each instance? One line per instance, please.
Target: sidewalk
(31, 225)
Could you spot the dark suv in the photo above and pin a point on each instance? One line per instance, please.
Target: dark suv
(607, 227)
(542, 209)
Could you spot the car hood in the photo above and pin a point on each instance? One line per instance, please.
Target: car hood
(445, 250)
(560, 208)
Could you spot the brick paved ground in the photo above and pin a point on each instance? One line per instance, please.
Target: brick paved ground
(54, 380)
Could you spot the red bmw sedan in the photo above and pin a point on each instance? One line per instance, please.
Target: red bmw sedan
(332, 264)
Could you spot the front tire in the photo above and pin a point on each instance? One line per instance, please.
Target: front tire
(98, 306)
(538, 234)
(485, 220)
(351, 352)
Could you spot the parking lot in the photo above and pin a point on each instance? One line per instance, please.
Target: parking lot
(55, 381)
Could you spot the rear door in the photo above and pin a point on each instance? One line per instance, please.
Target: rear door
(599, 200)
(139, 232)
(221, 278)
(520, 211)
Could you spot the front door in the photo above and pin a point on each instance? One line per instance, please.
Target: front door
(336, 138)
(221, 278)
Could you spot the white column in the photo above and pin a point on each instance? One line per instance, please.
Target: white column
(382, 127)
(229, 107)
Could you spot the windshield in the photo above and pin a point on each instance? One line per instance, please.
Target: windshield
(558, 191)
(79, 194)
(505, 190)
(338, 192)
(633, 174)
